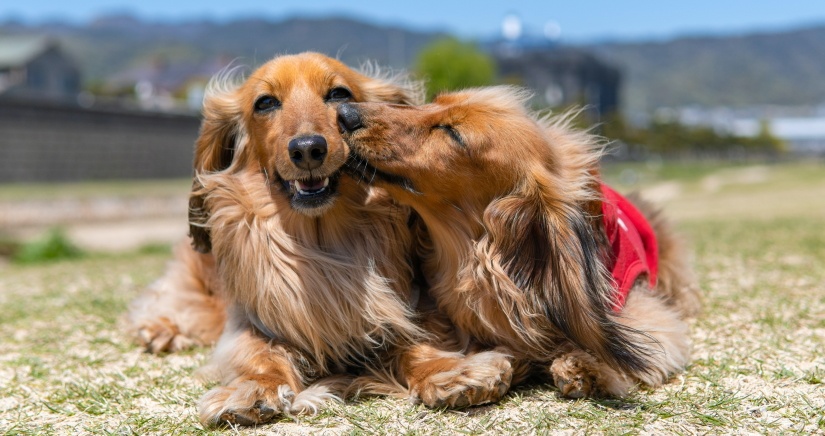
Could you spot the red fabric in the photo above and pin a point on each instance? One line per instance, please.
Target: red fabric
(633, 243)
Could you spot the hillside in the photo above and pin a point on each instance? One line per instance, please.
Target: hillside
(786, 68)
(760, 68)
(112, 44)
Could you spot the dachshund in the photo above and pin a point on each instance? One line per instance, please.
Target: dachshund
(524, 248)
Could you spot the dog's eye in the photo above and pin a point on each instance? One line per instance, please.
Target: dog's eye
(266, 104)
(452, 132)
(339, 94)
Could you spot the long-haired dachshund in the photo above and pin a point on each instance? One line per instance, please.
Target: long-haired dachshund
(310, 269)
(185, 307)
(523, 246)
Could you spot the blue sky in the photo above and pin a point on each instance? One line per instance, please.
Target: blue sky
(578, 20)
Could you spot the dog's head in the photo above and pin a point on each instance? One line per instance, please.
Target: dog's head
(467, 149)
(281, 121)
(524, 188)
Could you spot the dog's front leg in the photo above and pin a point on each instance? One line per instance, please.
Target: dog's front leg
(440, 378)
(259, 378)
(444, 373)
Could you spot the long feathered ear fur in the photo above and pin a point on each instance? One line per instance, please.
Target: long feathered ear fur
(215, 147)
(387, 86)
(549, 249)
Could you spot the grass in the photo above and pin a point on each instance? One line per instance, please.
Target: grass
(758, 365)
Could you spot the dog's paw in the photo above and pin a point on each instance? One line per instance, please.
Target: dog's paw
(578, 374)
(478, 379)
(571, 378)
(246, 403)
(161, 335)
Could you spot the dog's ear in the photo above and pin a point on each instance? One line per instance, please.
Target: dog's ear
(214, 151)
(548, 249)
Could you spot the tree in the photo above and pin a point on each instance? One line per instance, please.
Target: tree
(449, 64)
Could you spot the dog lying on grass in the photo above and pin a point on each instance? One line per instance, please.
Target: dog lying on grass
(523, 246)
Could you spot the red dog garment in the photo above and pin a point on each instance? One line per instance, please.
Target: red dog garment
(633, 243)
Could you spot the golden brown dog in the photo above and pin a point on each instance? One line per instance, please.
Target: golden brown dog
(517, 253)
(313, 266)
(184, 307)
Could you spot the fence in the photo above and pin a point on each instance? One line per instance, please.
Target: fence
(47, 142)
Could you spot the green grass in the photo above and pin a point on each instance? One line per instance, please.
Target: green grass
(66, 366)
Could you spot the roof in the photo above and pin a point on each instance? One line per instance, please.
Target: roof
(17, 50)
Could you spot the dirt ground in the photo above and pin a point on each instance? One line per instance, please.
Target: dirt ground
(109, 223)
(103, 223)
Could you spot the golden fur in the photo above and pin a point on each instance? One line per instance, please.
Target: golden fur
(512, 242)
(184, 307)
(317, 291)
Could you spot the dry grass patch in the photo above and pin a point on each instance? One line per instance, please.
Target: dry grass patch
(67, 368)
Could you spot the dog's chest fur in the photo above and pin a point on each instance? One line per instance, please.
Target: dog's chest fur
(335, 287)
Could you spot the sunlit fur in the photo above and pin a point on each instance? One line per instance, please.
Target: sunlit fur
(307, 292)
(512, 242)
(184, 307)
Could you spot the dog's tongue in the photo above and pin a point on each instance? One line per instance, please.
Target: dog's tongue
(311, 185)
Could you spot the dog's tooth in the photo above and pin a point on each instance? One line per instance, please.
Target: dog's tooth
(326, 182)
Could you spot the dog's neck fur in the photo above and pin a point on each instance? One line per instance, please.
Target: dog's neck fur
(337, 285)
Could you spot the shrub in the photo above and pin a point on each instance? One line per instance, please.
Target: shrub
(51, 247)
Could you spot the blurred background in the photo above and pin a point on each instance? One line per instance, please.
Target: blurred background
(99, 101)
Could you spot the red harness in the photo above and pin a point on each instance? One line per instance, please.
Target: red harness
(633, 243)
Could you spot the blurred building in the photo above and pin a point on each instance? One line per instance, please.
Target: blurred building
(802, 128)
(563, 77)
(164, 84)
(559, 76)
(49, 134)
(36, 67)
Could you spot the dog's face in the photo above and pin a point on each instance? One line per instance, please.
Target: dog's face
(281, 121)
(475, 145)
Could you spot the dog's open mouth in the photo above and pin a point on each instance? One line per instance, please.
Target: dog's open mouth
(310, 187)
(312, 195)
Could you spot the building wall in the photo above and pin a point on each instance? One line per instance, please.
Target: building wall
(43, 142)
(565, 78)
(50, 75)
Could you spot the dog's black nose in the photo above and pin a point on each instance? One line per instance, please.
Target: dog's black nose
(349, 120)
(308, 152)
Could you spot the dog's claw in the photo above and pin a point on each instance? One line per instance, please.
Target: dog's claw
(259, 413)
(503, 388)
(265, 412)
(462, 401)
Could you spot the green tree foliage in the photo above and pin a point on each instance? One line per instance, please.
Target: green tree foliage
(449, 64)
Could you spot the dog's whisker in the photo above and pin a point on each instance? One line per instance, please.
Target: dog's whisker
(266, 175)
(374, 172)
